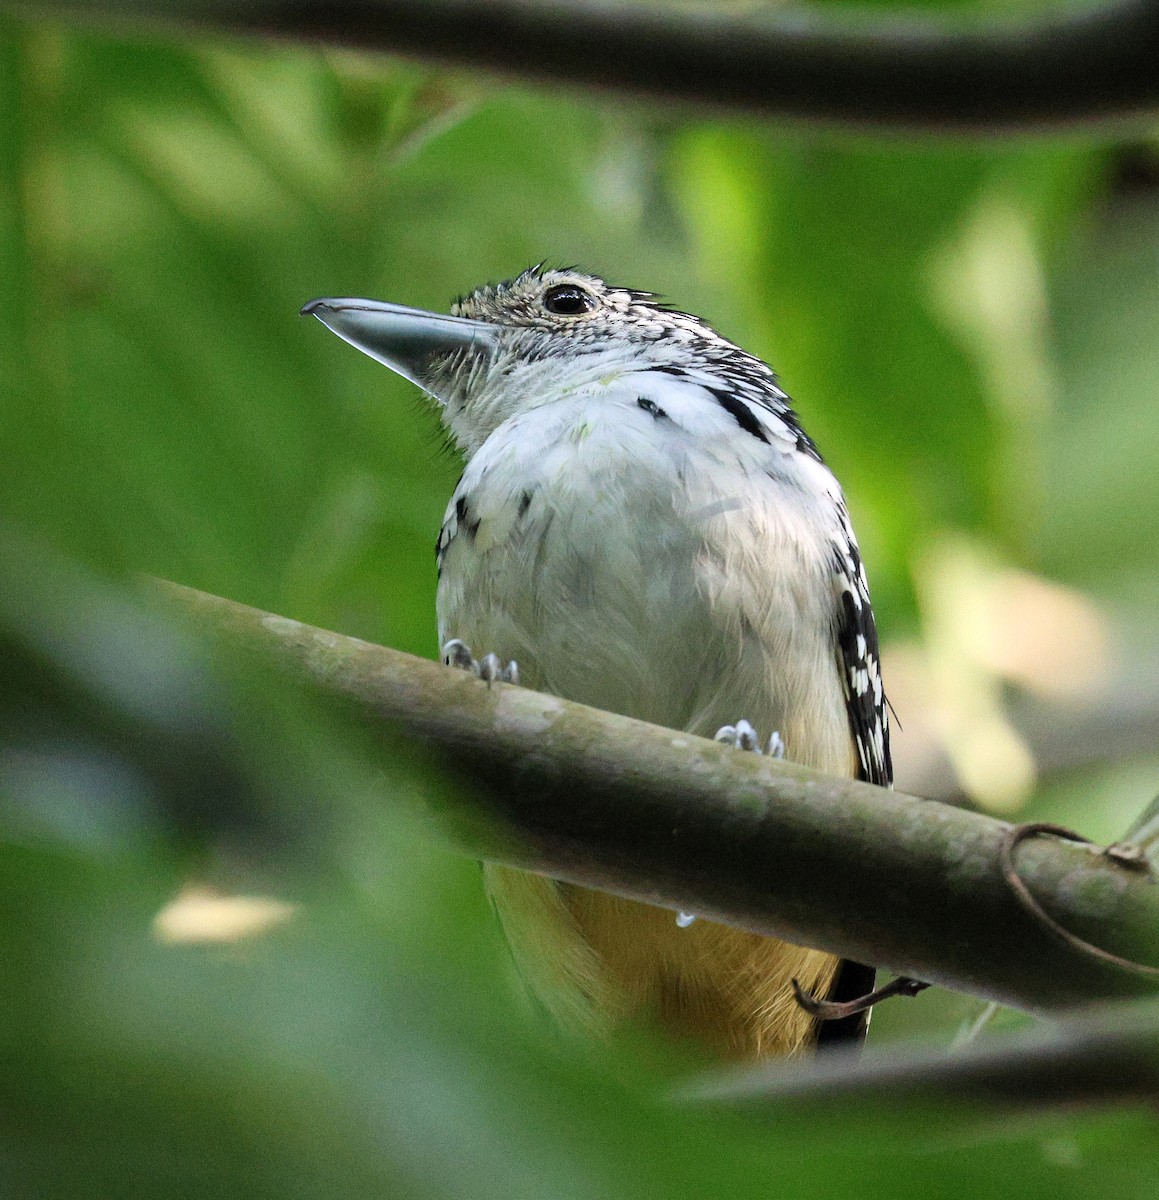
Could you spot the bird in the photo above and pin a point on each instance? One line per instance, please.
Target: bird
(643, 525)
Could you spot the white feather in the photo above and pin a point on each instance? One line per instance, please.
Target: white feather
(661, 568)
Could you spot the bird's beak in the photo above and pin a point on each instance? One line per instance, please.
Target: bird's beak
(407, 340)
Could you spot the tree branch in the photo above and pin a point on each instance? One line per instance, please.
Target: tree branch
(676, 820)
(902, 70)
(1108, 1055)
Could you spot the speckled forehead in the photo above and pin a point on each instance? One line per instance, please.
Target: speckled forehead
(518, 301)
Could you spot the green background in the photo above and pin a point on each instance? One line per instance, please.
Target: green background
(969, 332)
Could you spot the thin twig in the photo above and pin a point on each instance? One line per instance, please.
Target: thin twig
(1108, 1054)
(839, 1010)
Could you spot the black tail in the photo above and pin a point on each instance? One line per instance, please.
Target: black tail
(853, 980)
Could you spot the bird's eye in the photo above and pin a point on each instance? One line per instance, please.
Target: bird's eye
(568, 300)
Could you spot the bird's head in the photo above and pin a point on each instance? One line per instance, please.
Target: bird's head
(543, 336)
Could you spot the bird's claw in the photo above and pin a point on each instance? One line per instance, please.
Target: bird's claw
(742, 736)
(456, 653)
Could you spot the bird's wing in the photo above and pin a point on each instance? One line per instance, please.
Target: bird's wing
(860, 662)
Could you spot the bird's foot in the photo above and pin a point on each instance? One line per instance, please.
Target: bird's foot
(456, 653)
(743, 736)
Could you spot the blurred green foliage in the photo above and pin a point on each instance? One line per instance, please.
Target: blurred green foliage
(968, 331)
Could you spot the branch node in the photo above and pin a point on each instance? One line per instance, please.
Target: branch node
(1129, 855)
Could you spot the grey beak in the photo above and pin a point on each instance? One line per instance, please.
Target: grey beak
(406, 340)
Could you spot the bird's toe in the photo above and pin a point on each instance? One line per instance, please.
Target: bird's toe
(456, 653)
(742, 736)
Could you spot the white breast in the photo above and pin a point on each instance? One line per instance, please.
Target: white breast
(658, 562)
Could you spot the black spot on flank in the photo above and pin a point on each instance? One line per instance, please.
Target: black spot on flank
(462, 513)
(649, 407)
(740, 412)
(524, 503)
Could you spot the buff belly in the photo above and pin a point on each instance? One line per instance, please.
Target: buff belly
(597, 961)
